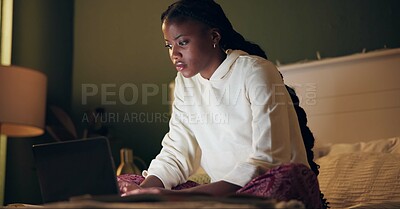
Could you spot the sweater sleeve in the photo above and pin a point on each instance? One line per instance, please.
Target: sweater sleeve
(271, 114)
(177, 159)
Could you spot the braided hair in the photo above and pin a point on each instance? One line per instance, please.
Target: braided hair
(308, 137)
(211, 14)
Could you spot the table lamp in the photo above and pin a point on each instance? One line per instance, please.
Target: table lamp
(22, 109)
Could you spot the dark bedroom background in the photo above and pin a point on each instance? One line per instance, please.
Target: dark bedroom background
(109, 44)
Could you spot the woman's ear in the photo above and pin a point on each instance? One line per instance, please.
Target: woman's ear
(215, 35)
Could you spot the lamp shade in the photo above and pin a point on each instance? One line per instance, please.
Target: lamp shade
(22, 101)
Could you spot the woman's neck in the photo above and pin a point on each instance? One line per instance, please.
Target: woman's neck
(214, 65)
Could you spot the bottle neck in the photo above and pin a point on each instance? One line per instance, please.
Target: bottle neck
(126, 155)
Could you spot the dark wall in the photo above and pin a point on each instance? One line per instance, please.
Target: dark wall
(120, 45)
(119, 53)
(296, 30)
(42, 40)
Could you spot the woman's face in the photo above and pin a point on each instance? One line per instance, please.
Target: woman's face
(190, 44)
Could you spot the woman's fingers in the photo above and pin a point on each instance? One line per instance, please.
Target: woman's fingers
(142, 191)
(126, 187)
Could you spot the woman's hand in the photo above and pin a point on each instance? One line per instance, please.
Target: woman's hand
(125, 187)
(152, 190)
(151, 185)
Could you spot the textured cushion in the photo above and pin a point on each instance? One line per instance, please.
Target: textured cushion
(350, 179)
(389, 145)
(386, 145)
(389, 204)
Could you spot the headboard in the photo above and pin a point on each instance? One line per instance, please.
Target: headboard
(351, 98)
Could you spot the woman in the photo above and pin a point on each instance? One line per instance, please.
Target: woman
(231, 108)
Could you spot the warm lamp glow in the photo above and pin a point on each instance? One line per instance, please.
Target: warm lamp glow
(22, 101)
(20, 130)
(22, 108)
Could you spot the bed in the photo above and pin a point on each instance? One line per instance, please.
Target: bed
(353, 107)
(362, 175)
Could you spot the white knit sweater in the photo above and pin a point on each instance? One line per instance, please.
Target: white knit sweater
(240, 121)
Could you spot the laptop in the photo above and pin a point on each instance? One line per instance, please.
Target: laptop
(74, 168)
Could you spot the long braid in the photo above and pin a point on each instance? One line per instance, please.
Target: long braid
(308, 137)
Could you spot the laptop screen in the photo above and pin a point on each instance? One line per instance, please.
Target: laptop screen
(73, 168)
